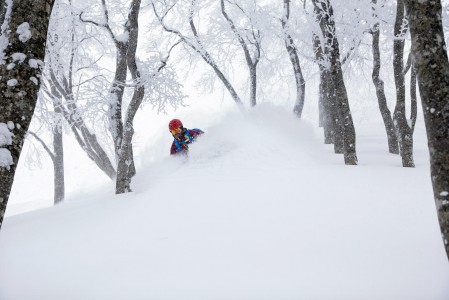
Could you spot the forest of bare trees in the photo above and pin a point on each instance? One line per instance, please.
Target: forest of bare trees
(321, 40)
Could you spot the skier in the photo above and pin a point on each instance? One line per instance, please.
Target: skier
(182, 137)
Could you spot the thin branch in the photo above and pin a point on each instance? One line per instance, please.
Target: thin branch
(52, 156)
(105, 10)
(350, 52)
(93, 63)
(105, 26)
(90, 21)
(237, 34)
(55, 82)
(165, 60)
(408, 64)
(87, 80)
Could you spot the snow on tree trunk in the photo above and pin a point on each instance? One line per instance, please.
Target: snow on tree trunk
(329, 114)
(393, 146)
(326, 116)
(125, 165)
(335, 83)
(403, 130)
(432, 68)
(116, 96)
(22, 50)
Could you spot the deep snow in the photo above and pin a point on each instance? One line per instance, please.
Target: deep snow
(261, 209)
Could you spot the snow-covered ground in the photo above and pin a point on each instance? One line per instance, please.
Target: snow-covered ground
(261, 209)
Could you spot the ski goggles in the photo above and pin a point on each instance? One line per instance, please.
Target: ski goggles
(176, 131)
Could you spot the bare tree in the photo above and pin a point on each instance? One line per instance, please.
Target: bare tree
(122, 130)
(57, 158)
(334, 87)
(432, 67)
(197, 45)
(117, 88)
(22, 50)
(60, 85)
(294, 59)
(252, 59)
(125, 163)
(87, 140)
(403, 130)
(57, 154)
(380, 91)
(328, 114)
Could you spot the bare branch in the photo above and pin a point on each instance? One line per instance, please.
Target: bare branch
(50, 153)
(105, 26)
(105, 10)
(90, 21)
(164, 61)
(87, 80)
(93, 63)
(408, 64)
(242, 42)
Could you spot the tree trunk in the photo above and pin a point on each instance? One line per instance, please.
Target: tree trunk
(413, 98)
(320, 105)
(347, 125)
(19, 85)
(58, 151)
(116, 97)
(294, 59)
(300, 86)
(432, 68)
(333, 111)
(327, 104)
(380, 92)
(125, 165)
(403, 130)
(253, 85)
(327, 114)
(87, 141)
(334, 80)
(2, 11)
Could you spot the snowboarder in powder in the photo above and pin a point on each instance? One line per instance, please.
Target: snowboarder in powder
(182, 137)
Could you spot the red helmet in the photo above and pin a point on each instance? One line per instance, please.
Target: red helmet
(174, 124)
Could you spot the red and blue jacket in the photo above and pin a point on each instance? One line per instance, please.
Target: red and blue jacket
(180, 145)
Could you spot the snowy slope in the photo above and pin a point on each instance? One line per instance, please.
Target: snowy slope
(261, 209)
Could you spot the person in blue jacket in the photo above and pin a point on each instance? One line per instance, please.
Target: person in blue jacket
(182, 137)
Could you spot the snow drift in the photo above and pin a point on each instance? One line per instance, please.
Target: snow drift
(260, 209)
